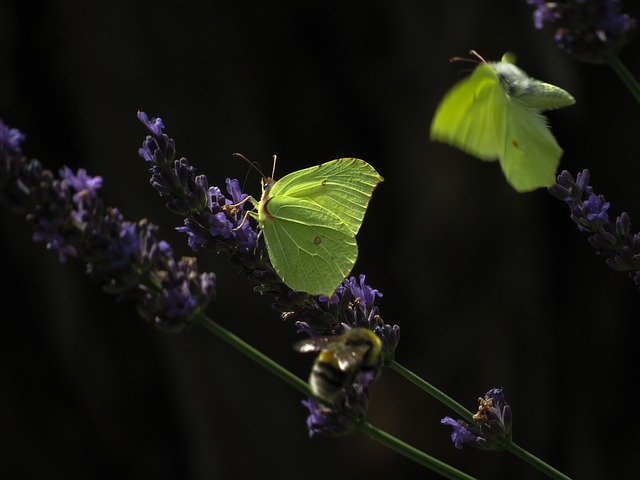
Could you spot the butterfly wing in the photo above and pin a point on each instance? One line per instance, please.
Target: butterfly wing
(310, 247)
(466, 116)
(529, 154)
(343, 187)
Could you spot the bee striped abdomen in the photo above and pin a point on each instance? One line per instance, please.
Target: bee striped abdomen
(327, 379)
(341, 360)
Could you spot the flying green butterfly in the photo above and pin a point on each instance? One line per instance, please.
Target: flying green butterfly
(495, 113)
(310, 218)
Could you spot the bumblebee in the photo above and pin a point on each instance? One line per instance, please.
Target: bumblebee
(341, 360)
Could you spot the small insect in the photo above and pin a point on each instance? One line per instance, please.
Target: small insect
(341, 360)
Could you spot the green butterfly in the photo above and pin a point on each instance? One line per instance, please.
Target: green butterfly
(495, 113)
(310, 218)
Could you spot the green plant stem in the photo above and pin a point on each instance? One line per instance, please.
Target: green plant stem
(463, 412)
(626, 76)
(536, 462)
(255, 355)
(302, 386)
(431, 390)
(414, 454)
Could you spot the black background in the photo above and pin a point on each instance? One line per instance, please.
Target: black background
(490, 287)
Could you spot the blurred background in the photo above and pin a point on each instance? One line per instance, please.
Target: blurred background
(490, 287)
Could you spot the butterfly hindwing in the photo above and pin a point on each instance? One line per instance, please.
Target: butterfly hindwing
(310, 248)
(529, 154)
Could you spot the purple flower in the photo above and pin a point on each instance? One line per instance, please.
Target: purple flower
(339, 420)
(81, 182)
(543, 13)
(211, 220)
(591, 31)
(615, 242)
(68, 214)
(352, 304)
(461, 433)
(491, 427)
(157, 147)
(154, 125)
(596, 209)
(10, 138)
(121, 251)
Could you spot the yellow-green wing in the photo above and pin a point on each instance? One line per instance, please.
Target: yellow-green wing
(466, 116)
(529, 154)
(343, 187)
(310, 248)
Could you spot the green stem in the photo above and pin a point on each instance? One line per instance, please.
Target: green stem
(431, 390)
(414, 454)
(626, 76)
(255, 355)
(463, 412)
(373, 432)
(536, 462)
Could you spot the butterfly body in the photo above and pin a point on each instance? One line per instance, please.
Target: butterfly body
(495, 114)
(532, 93)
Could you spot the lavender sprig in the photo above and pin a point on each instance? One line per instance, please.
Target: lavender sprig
(614, 241)
(491, 427)
(591, 31)
(69, 216)
(216, 222)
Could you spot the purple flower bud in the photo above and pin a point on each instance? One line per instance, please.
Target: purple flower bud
(614, 241)
(491, 429)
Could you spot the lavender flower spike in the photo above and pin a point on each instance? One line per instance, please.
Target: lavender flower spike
(491, 429)
(589, 211)
(69, 216)
(591, 31)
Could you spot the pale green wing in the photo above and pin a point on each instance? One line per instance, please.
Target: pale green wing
(465, 117)
(529, 155)
(310, 248)
(343, 187)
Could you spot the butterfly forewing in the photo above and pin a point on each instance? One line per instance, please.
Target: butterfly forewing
(344, 185)
(466, 118)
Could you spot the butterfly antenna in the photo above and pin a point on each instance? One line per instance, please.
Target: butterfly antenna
(273, 169)
(478, 58)
(253, 165)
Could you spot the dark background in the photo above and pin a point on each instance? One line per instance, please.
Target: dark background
(490, 287)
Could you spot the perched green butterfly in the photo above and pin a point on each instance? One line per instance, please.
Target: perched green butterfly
(495, 113)
(310, 218)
